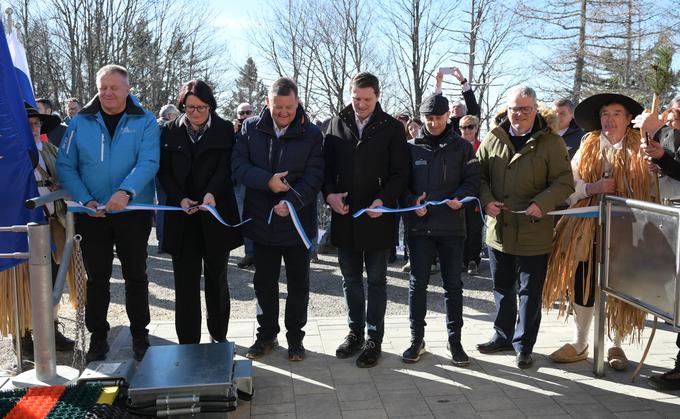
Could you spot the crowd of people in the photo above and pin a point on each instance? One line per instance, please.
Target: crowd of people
(270, 167)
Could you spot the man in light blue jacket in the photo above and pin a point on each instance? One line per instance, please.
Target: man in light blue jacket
(107, 159)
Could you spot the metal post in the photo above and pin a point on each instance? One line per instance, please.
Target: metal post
(17, 323)
(600, 295)
(40, 271)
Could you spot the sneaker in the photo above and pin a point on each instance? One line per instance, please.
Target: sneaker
(458, 356)
(139, 346)
(370, 353)
(413, 353)
(472, 268)
(98, 350)
(296, 352)
(350, 346)
(261, 348)
(61, 342)
(246, 262)
(406, 267)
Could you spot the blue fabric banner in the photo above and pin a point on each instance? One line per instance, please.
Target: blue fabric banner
(17, 182)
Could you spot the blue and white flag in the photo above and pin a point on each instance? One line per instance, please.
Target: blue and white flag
(18, 54)
(17, 182)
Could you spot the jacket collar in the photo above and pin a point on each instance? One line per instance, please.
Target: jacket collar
(539, 124)
(376, 119)
(265, 123)
(450, 136)
(95, 106)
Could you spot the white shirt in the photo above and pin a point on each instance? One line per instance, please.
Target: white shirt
(361, 125)
(579, 184)
(279, 131)
(42, 190)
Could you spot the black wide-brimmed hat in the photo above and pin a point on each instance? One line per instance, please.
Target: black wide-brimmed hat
(587, 113)
(49, 122)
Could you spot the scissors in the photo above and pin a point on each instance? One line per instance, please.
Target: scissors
(297, 194)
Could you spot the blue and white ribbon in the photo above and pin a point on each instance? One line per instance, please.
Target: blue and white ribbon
(586, 212)
(77, 207)
(296, 223)
(415, 207)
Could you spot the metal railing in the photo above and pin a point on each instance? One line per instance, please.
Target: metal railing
(43, 296)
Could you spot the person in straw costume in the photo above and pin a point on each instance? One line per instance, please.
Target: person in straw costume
(609, 161)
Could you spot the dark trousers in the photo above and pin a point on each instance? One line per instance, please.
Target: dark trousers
(197, 256)
(520, 330)
(677, 358)
(161, 196)
(360, 313)
(473, 239)
(129, 232)
(266, 284)
(450, 251)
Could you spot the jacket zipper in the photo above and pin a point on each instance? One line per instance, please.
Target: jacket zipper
(379, 181)
(271, 143)
(101, 154)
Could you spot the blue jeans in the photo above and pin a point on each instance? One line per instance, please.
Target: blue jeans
(450, 250)
(361, 314)
(520, 330)
(240, 192)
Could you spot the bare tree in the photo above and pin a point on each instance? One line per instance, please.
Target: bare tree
(416, 37)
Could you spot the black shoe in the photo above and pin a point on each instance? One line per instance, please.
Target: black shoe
(98, 350)
(493, 346)
(27, 345)
(139, 346)
(413, 353)
(246, 262)
(296, 352)
(458, 356)
(61, 342)
(668, 381)
(369, 355)
(350, 346)
(261, 348)
(524, 360)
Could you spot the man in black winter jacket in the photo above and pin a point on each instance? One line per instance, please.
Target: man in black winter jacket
(443, 166)
(366, 166)
(568, 129)
(278, 158)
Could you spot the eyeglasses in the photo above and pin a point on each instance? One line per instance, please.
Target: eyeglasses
(468, 127)
(248, 112)
(201, 108)
(520, 109)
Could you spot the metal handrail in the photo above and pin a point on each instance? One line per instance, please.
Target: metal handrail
(65, 262)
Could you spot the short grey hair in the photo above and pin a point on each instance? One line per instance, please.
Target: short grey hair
(168, 109)
(113, 68)
(565, 102)
(460, 103)
(675, 100)
(283, 87)
(521, 90)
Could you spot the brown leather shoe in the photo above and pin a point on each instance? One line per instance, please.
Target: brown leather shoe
(617, 358)
(568, 354)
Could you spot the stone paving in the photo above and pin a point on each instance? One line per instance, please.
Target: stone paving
(492, 386)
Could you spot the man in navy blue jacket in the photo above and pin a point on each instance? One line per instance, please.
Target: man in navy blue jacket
(278, 158)
(443, 166)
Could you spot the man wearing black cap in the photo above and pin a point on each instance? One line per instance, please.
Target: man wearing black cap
(443, 166)
(608, 162)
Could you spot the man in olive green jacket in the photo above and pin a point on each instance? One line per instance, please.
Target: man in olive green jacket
(525, 174)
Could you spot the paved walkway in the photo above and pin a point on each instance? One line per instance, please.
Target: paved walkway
(491, 387)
